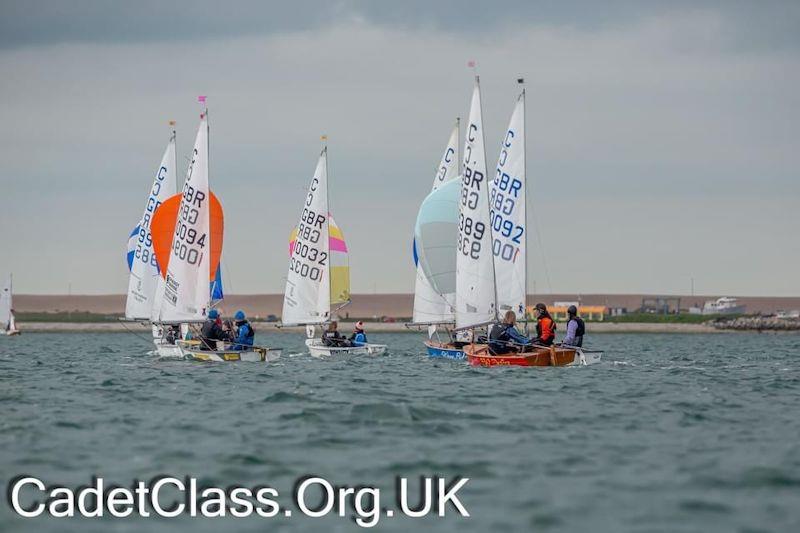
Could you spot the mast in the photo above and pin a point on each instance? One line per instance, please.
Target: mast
(488, 200)
(327, 244)
(521, 81)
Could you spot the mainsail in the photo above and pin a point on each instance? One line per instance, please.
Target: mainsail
(430, 305)
(307, 298)
(142, 263)
(6, 306)
(507, 204)
(475, 280)
(196, 243)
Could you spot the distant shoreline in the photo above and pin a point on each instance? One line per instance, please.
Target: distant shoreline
(265, 328)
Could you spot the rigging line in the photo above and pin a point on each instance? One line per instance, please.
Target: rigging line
(541, 251)
(135, 334)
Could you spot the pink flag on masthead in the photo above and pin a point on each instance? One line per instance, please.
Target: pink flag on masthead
(201, 99)
(471, 63)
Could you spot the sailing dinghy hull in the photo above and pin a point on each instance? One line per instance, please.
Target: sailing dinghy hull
(12, 332)
(445, 350)
(479, 355)
(317, 349)
(191, 350)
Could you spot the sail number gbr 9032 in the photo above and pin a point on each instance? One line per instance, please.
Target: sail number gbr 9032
(470, 232)
(188, 243)
(308, 259)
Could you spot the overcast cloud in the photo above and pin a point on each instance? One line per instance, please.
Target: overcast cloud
(663, 141)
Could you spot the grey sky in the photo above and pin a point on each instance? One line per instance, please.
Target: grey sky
(664, 141)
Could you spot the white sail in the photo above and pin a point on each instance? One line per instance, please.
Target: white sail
(475, 281)
(429, 305)
(307, 299)
(507, 214)
(144, 276)
(6, 305)
(186, 288)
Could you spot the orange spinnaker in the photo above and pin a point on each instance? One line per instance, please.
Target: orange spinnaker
(162, 229)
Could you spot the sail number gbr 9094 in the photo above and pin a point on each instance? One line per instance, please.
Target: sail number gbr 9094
(189, 243)
(470, 232)
(308, 259)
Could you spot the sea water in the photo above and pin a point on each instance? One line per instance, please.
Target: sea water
(669, 433)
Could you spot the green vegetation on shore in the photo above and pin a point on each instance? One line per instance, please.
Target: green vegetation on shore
(660, 318)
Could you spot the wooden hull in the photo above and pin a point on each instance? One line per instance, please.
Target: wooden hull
(478, 355)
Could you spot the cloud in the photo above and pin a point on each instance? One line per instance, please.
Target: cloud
(649, 142)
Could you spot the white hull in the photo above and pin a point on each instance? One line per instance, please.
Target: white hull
(12, 332)
(582, 358)
(190, 350)
(317, 349)
(168, 351)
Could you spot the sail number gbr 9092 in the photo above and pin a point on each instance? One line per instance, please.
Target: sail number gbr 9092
(308, 259)
(188, 244)
(470, 232)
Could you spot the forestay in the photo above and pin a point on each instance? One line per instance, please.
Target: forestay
(430, 305)
(475, 281)
(507, 213)
(144, 274)
(307, 298)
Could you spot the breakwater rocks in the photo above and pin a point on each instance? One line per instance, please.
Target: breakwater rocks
(757, 323)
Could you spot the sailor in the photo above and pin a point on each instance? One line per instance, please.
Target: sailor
(245, 334)
(332, 337)
(212, 332)
(358, 338)
(545, 326)
(576, 329)
(504, 335)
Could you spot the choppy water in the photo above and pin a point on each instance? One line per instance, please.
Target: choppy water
(669, 433)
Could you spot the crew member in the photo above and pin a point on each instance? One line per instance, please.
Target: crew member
(545, 326)
(212, 331)
(245, 334)
(358, 338)
(504, 336)
(576, 329)
(332, 337)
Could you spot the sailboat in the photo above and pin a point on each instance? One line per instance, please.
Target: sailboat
(187, 235)
(145, 284)
(505, 290)
(435, 235)
(319, 274)
(7, 319)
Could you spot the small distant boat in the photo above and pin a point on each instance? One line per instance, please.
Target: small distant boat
(7, 319)
(723, 306)
(319, 272)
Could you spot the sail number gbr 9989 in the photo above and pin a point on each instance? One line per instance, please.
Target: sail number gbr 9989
(308, 259)
(188, 243)
(470, 232)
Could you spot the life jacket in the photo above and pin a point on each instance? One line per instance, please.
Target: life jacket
(546, 329)
(580, 331)
(499, 337)
(359, 337)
